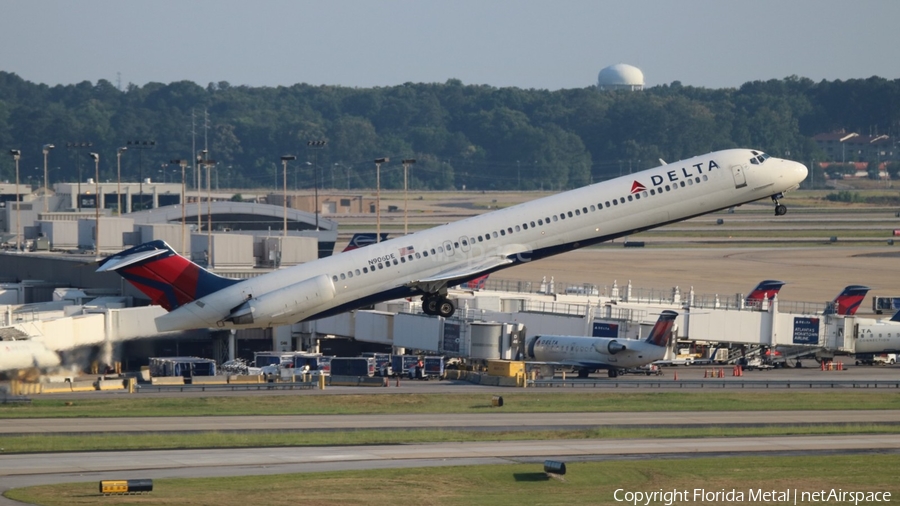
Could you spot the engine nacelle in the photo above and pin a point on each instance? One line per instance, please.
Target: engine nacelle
(285, 304)
(612, 347)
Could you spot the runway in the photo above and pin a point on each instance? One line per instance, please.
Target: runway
(469, 421)
(45, 468)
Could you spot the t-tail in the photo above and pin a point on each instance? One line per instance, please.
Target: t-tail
(896, 317)
(169, 279)
(848, 301)
(766, 289)
(662, 331)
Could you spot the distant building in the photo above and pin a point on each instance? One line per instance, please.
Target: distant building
(620, 77)
(847, 147)
(329, 204)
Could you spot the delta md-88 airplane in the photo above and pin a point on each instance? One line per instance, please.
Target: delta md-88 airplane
(427, 263)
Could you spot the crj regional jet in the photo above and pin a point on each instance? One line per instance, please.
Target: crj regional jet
(590, 354)
(428, 262)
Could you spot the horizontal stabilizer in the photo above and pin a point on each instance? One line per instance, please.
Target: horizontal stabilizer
(117, 262)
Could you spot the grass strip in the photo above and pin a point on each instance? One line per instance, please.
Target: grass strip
(256, 439)
(593, 483)
(516, 401)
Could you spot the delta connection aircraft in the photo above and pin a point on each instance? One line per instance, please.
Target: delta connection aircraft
(427, 263)
(589, 354)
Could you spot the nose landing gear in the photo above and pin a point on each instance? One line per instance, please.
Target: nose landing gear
(780, 210)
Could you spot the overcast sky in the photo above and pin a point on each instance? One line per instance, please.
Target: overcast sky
(520, 43)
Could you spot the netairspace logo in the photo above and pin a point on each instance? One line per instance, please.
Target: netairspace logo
(758, 495)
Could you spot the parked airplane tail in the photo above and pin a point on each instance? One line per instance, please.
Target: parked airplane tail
(765, 290)
(662, 331)
(896, 317)
(848, 301)
(475, 284)
(360, 240)
(169, 279)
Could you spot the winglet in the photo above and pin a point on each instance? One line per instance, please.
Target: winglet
(662, 331)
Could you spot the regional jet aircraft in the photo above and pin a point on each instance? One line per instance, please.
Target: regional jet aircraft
(26, 355)
(590, 354)
(427, 263)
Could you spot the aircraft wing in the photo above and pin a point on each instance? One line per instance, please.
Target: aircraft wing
(462, 273)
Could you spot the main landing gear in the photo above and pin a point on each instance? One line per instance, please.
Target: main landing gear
(438, 305)
(780, 210)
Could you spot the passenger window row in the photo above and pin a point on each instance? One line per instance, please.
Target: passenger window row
(524, 226)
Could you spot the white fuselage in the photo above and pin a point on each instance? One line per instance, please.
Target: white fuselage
(525, 232)
(19, 355)
(882, 337)
(595, 352)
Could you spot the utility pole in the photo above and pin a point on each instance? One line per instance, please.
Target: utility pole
(201, 162)
(141, 146)
(16, 154)
(96, 158)
(46, 150)
(378, 162)
(406, 164)
(316, 146)
(183, 164)
(284, 161)
(119, 179)
(76, 146)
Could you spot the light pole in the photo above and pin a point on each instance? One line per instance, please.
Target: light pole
(406, 164)
(96, 159)
(205, 162)
(119, 178)
(284, 161)
(378, 162)
(78, 145)
(16, 154)
(200, 157)
(46, 150)
(183, 165)
(316, 146)
(141, 146)
(348, 174)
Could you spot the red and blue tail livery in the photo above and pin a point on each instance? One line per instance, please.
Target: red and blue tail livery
(848, 301)
(169, 279)
(765, 290)
(662, 330)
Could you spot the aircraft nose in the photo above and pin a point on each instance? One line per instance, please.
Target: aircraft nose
(801, 171)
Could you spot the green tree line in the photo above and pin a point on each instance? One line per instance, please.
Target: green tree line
(477, 137)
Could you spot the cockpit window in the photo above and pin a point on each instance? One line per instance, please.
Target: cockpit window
(759, 158)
